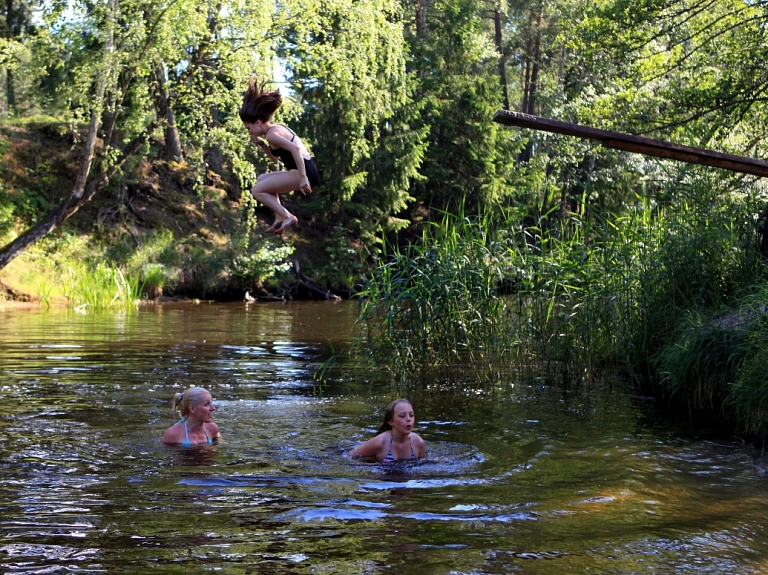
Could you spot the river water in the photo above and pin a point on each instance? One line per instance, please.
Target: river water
(520, 480)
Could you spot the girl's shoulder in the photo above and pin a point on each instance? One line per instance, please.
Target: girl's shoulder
(280, 129)
(417, 438)
(213, 431)
(370, 447)
(419, 445)
(378, 439)
(175, 433)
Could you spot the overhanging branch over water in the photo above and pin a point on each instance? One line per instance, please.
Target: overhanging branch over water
(638, 144)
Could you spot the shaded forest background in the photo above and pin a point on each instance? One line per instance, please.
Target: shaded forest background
(128, 110)
(395, 98)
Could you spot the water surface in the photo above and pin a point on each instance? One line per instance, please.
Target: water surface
(525, 480)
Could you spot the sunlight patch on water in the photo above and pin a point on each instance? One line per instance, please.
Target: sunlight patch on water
(501, 517)
(339, 514)
(420, 484)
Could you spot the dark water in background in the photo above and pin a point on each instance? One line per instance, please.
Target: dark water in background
(528, 481)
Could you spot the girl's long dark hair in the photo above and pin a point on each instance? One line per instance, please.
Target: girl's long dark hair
(258, 103)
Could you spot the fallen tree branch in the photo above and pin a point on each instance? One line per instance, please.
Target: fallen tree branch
(638, 144)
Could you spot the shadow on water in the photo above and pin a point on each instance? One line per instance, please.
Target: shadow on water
(531, 480)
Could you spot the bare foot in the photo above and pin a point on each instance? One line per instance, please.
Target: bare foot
(274, 227)
(285, 224)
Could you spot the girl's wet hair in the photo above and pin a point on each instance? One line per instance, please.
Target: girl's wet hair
(258, 103)
(389, 413)
(182, 401)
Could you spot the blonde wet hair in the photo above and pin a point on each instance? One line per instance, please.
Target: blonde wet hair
(190, 396)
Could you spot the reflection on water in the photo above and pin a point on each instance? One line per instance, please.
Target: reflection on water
(524, 481)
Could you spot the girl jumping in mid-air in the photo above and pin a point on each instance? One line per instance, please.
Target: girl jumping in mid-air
(300, 174)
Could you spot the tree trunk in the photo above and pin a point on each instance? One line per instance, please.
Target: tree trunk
(172, 139)
(10, 93)
(530, 82)
(533, 85)
(764, 242)
(79, 197)
(500, 49)
(165, 110)
(528, 59)
(421, 16)
(69, 207)
(638, 144)
(10, 31)
(215, 155)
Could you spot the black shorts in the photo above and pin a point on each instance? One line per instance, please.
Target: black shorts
(312, 174)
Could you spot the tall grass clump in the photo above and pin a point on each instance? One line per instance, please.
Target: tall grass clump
(168, 264)
(434, 306)
(697, 365)
(747, 392)
(100, 287)
(702, 332)
(68, 269)
(715, 365)
(571, 293)
(576, 295)
(697, 257)
(542, 300)
(154, 263)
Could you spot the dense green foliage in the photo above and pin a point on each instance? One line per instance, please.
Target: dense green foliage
(564, 257)
(670, 296)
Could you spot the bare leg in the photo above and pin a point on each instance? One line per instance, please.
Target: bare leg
(266, 190)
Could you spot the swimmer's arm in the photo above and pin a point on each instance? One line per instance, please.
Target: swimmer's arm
(370, 448)
(173, 435)
(214, 432)
(420, 447)
(278, 141)
(264, 148)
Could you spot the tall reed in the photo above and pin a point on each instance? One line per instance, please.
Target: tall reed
(434, 305)
(100, 287)
(747, 391)
(564, 296)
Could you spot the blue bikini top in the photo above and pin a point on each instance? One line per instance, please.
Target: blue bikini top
(186, 442)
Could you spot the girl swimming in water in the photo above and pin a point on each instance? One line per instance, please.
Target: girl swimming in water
(196, 426)
(395, 439)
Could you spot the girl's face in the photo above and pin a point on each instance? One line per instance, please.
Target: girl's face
(255, 129)
(203, 409)
(403, 418)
